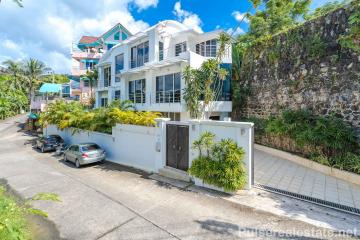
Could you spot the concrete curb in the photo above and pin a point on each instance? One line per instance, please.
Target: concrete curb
(334, 172)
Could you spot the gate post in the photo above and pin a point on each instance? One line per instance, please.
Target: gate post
(160, 142)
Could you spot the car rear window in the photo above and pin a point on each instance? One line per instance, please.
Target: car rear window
(90, 147)
(51, 139)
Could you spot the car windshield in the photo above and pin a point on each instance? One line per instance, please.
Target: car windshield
(90, 147)
(52, 139)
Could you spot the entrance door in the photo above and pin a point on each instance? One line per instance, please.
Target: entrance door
(177, 146)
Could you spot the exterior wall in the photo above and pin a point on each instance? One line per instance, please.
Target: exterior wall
(145, 147)
(121, 147)
(325, 84)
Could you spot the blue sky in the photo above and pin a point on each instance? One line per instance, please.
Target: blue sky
(46, 29)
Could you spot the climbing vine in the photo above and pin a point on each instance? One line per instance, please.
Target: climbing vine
(351, 40)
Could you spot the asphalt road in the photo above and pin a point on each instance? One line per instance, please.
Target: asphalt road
(109, 201)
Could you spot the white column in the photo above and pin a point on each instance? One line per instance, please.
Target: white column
(160, 142)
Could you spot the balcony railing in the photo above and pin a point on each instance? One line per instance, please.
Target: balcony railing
(91, 55)
(171, 96)
(138, 97)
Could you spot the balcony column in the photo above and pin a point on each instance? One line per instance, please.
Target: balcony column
(97, 99)
(149, 79)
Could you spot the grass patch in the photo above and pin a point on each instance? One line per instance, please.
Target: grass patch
(20, 221)
(13, 223)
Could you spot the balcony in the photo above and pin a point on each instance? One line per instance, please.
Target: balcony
(86, 55)
(79, 71)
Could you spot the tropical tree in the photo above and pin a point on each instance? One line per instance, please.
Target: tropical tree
(15, 69)
(204, 85)
(18, 2)
(272, 16)
(33, 71)
(92, 77)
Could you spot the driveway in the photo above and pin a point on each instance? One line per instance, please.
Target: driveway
(109, 201)
(285, 175)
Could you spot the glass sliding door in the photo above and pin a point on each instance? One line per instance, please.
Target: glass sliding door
(177, 87)
(137, 91)
(159, 89)
(168, 88)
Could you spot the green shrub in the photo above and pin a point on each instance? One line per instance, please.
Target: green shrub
(13, 224)
(221, 164)
(328, 135)
(75, 115)
(326, 139)
(13, 212)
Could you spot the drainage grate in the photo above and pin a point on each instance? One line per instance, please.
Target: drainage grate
(321, 202)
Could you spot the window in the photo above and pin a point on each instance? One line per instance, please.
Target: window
(117, 36)
(168, 88)
(117, 79)
(110, 46)
(90, 147)
(124, 36)
(74, 148)
(86, 83)
(139, 55)
(104, 102)
(207, 49)
(89, 65)
(161, 51)
(179, 48)
(119, 63)
(107, 76)
(137, 91)
(117, 95)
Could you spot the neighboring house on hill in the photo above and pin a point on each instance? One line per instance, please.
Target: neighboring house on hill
(86, 54)
(147, 69)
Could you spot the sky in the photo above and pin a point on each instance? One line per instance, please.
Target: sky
(46, 29)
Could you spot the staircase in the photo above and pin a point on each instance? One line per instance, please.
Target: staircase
(174, 173)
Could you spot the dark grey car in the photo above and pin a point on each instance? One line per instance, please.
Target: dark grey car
(48, 143)
(84, 153)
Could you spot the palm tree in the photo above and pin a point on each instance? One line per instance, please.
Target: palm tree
(16, 71)
(33, 70)
(18, 2)
(92, 77)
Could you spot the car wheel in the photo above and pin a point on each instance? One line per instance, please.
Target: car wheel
(77, 163)
(42, 149)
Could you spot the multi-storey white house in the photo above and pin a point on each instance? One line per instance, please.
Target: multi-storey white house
(147, 69)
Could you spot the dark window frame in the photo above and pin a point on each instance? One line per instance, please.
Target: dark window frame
(163, 82)
(137, 91)
(180, 48)
(119, 62)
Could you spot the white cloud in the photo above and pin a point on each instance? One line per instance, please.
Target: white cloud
(143, 4)
(10, 45)
(189, 19)
(240, 16)
(237, 31)
(46, 29)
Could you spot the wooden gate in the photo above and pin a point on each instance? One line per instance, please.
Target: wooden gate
(177, 146)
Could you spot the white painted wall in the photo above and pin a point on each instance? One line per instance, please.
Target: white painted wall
(145, 147)
(129, 145)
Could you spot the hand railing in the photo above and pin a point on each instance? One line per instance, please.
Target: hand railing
(170, 96)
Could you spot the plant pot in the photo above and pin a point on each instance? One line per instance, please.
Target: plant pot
(199, 182)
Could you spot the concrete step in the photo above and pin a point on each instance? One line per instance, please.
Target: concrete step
(174, 173)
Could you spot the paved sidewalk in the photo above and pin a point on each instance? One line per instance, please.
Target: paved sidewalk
(286, 175)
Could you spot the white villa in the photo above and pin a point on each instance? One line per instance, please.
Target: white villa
(146, 68)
